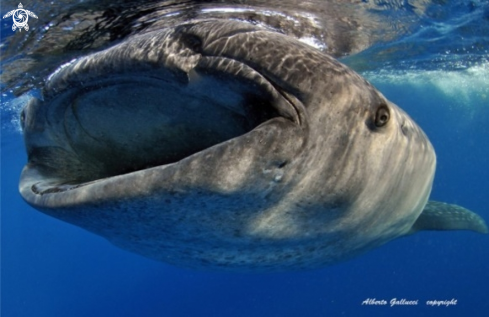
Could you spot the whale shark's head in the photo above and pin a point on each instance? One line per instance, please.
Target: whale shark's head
(219, 144)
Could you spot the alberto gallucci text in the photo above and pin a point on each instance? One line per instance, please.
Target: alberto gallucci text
(392, 302)
(406, 302)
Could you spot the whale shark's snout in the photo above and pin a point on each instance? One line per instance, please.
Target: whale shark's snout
(222, 145)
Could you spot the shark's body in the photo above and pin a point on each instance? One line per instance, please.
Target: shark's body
(222, 145)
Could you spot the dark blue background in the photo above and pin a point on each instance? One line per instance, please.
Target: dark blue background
(50, 268)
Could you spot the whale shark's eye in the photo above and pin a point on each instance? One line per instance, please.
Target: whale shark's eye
(382, 116)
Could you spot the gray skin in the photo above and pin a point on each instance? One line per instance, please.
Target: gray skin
(220, 145)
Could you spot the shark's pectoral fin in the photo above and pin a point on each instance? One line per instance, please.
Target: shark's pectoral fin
(442, 216)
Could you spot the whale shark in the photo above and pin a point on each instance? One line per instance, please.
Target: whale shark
(223, 145)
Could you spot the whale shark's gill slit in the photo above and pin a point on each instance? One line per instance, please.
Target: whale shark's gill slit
(123, 126)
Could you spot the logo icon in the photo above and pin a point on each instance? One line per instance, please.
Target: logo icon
(20, 17)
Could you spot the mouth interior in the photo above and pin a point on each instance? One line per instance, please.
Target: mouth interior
(130, 124)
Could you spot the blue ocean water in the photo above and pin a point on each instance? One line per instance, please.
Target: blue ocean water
(50, 268)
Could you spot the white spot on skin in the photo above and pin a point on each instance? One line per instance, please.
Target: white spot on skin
(279, 176)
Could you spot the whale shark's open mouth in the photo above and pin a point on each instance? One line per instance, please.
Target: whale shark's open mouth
(122, 124)
(125, 124)
(161, 98)
(137, 123)
(133, 117)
